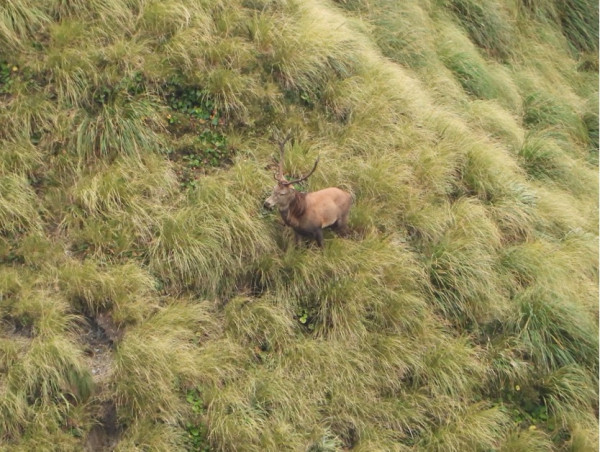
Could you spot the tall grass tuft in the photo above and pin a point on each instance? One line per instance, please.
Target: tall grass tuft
(125, 290)
(545, 157)
(205, 243)
(543, 110)
(19, 210)
(566, 389)
(533, 440)
(479, 426)
(467, 252)
(19, 21)
(121, 126)
(153, 358)
(260, 323)
(51, 367)
(554, 330)
(478, 78)
(451, 368)
(488, 25)
(19, 157)
(579, 20)
(402, 32)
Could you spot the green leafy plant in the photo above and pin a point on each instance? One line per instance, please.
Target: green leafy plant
(7, 72)
(196, 431)
(190, 100)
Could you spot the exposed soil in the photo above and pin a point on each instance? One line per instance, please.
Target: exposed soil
(99, 338)
(98, 347)
(15, 327)
(104, 436)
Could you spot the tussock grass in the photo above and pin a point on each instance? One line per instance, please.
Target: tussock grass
(114, 209)
(560, 213)
(579, 22)
(144, 433)
(154, 356)
(566, 389)
(126, 290)
(489, 423)
(162, 20)
(127, 185)
(489, 172)
(590, 118)
(19, 157)
(554, 330)
(260, 323)
(46, 372)
(533, 440)
(27, 112)
(515, 213)
(460, 310)
(478, 78)
(450, 368)
(542, 110)
(41, 314)
(583, 438)
(488, 24)
(402, 32)
(18, 205)
(499, 123)
(467, 251)
(302, 58)
(544, 157)
(333, 290)
(124, 126)
(19, 20)
(190, 242)
(50, 367)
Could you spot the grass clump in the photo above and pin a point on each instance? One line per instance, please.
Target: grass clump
(488, 25)
(545, 328)
(543, 111)
(477, 77)
(119, 127)
(467, 251)
(189, 243)
(489, 423)
(261, 323)
(578, 20)
(18, 205)
(546, 157)
(20, 20)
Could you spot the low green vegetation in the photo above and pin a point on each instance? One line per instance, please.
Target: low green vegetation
(148, 301)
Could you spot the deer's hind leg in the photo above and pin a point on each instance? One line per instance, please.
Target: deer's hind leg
(341, 226)
(318, 236)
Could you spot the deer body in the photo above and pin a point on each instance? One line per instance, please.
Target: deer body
(309, 213)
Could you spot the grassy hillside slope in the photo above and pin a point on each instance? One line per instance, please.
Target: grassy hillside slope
(149, 302)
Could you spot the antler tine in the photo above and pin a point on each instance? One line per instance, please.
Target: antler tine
(295, 181)
(282, 143)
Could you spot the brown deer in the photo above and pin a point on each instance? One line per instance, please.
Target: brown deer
(308, 213)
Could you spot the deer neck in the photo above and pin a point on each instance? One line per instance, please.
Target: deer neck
(295, 210)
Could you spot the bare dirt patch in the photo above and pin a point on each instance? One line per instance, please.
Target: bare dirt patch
(104, 435)
(99, 338)
(98, 348)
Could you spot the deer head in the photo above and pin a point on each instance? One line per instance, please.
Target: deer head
(284, 192)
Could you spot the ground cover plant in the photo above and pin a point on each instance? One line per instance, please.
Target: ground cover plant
(148, 300)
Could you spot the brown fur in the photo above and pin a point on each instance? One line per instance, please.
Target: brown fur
(295, 210)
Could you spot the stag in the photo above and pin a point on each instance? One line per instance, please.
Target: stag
(308, 213)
